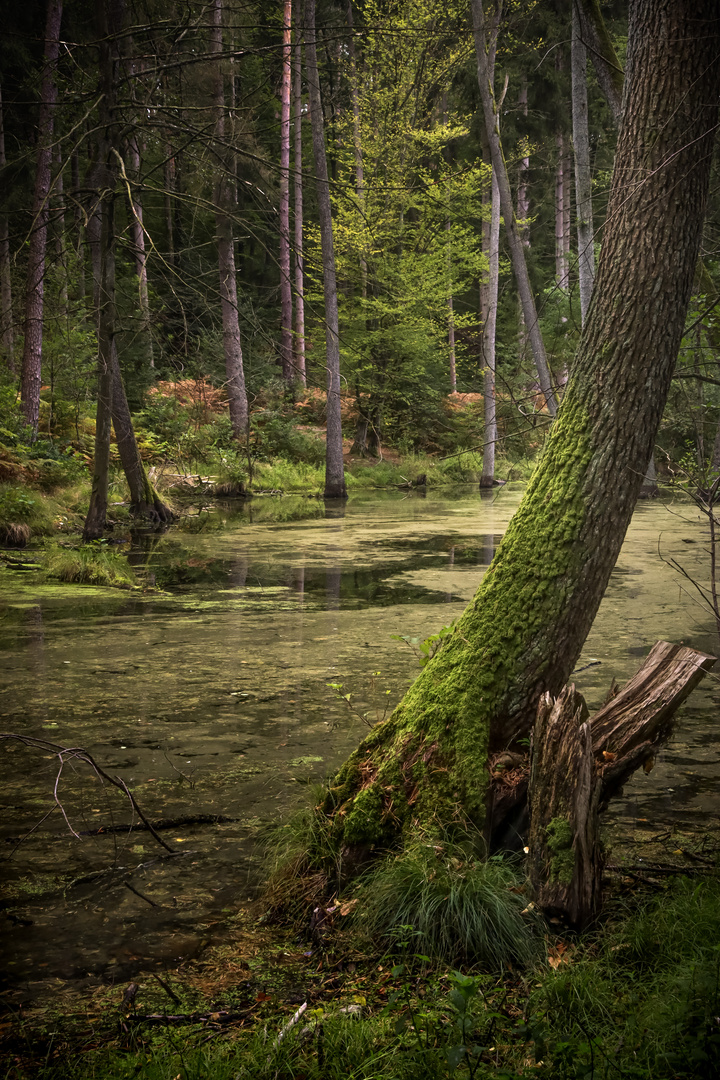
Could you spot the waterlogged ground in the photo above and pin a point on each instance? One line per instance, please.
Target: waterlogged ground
(209, 699)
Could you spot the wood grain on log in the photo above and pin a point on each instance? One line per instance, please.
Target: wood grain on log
(578, 764)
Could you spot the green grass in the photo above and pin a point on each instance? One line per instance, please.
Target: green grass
(91, 564)
(440, 898)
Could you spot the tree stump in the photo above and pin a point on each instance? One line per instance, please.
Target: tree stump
(578, 764)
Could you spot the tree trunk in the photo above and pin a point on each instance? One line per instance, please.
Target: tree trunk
(517, 251)
(609, 74)
(562, 270)
(145, 501)
(79, 220)
(235, 376)
(579, 764)
(7, 329)
(522, 634)
(286, 349)
(488, 343)
(95, 520)
(334, 472)
(35, 283)
(299, 340)
(583, 178)
(137, 241)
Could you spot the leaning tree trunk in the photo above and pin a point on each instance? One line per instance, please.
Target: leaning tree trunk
(609, 73)
(521, 635)
(35, 282)
(517, 250)
(334, 471)
(488, 343)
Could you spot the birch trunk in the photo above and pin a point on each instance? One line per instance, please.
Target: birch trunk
(334, 471)
(234, 374)
(31, 377)
(7, 329)
(299, 339)
(517, 252)
(286, 349)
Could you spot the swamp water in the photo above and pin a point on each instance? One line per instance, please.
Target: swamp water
(210, 700)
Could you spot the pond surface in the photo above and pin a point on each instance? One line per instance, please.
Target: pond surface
(210, 700)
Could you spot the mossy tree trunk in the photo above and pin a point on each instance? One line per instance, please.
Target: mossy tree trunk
(521, 635)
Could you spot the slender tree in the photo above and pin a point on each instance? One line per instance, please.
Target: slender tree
(583, 179)
(137, 243)
(299, 336)
(286, 349)
(517, 251)
(7, 330)
(334, 471)
(234, 373)
(107, 16)
(35, 282)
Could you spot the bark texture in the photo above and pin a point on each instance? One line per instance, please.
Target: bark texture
(234, 372)
(522, 633)
(583, 178)
(299, 339)
(609, 74)
(286, 350)
(35, 283)
(578, 764)
(334, 471)
(7, 334)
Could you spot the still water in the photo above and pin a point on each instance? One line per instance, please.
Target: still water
(209, 698)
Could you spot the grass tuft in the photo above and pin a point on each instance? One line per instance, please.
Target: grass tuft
(448, 903)
(91, 564)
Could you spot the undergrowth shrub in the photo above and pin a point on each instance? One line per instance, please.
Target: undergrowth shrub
(23, 514)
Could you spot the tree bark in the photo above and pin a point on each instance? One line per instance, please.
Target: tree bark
(578, 764)
(137, 241)
(609, 74)
(286, 349)
(234, 373)
(562, 268)
(299, 340)
(7, 329)
(521, 635)
(517, 252)
(488, 343)
(31, 378)
(334, 471)
(583, 178)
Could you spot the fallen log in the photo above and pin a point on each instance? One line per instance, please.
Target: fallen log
(578, 763)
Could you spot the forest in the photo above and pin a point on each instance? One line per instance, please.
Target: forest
(316, 314)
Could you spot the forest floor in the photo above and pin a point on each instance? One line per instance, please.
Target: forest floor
(638, 996)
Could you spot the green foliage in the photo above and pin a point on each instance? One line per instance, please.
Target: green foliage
(91, 564)
(23, 514)
(457, 905)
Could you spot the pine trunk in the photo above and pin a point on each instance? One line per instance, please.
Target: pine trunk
(286, 349)
(35, 283)
(334, 471)
(583, 178)
(234, 373)
(7, 330)
(522, 634)
(299, 339)
(488, 343)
